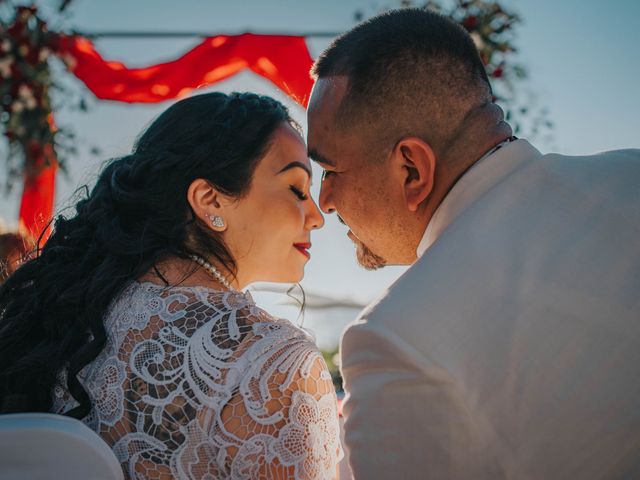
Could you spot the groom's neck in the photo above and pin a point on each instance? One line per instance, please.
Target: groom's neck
(482, 129)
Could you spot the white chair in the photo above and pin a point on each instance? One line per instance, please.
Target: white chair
(38, 446)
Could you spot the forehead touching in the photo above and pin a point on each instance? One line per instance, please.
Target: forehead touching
(286, 152)
(322, 114)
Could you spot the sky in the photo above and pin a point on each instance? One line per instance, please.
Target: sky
(582, 56)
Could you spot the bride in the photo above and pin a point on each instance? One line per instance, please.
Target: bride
(133, 318)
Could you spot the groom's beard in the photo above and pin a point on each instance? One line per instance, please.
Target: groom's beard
(366, 258)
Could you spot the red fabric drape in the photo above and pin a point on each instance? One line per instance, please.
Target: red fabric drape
(36, 205)
(284, 60)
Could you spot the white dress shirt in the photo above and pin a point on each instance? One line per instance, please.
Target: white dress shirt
(511, 348)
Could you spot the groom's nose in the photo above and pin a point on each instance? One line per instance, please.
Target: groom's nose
(326, 198)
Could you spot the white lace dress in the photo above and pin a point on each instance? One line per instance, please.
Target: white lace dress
(199, 383)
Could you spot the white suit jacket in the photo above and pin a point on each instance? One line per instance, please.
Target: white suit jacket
(511, 349)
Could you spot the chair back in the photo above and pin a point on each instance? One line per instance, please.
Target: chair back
(38, 446)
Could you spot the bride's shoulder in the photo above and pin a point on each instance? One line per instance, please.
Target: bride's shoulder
(231, 314)
(140, 300)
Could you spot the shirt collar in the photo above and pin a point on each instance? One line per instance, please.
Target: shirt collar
(487, 172)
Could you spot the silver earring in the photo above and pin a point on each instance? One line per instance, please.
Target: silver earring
(216, 221)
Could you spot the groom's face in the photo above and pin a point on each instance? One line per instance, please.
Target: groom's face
(353, 185)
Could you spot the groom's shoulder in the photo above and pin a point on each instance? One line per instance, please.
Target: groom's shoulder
(407, 317)
(622, 162)
(380, 328)
(611, 177)
(399, 305)
(378, 314)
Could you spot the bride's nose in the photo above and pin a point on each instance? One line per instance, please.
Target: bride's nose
(313, 217)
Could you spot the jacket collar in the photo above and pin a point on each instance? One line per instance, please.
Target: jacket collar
(486, 173)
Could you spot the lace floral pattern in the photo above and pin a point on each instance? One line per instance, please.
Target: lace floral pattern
(198, 383)
(306, 441)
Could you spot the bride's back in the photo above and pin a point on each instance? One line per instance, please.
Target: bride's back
(196, 382)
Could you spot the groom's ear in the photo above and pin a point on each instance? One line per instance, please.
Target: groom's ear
(416, 164)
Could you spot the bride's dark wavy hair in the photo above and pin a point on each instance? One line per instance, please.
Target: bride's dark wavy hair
(52, 308)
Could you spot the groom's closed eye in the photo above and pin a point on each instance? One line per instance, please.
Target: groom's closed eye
(327, 173)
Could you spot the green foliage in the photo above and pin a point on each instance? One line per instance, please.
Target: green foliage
(26, 118)
(331, 357)
(26, 84)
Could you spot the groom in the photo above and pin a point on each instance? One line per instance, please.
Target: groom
(511, 347)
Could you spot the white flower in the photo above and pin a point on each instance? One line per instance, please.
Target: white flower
(44, 54)
(477, 39)
(5, 46)
(25, 92)
(69, 60)
(5, 66)
(30, 103)
(17, 106)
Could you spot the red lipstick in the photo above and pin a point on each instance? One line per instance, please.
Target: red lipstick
(303, 248)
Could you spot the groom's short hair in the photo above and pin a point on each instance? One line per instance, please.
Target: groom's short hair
(410, 71)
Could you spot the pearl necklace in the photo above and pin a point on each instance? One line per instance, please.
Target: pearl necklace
(211, 270)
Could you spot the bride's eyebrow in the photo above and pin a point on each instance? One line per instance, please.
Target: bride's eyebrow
(291, 165)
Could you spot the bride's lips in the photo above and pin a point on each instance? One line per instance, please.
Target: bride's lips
(302, 248)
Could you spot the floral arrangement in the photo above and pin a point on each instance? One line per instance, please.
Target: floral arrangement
(25, 109)
(26, 45)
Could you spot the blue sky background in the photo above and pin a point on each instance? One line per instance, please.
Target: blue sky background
(583, 58)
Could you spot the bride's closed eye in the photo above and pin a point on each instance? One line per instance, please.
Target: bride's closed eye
(298, 193)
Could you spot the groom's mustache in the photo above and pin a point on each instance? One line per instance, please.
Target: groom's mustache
(341, 220)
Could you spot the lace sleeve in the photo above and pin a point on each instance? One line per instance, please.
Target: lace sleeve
(286, 416)
(275, 409)
(200, 384)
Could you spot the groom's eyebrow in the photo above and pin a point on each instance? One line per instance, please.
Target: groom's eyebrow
(319, 158)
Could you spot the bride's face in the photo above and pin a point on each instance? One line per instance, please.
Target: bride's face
(269, 228)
